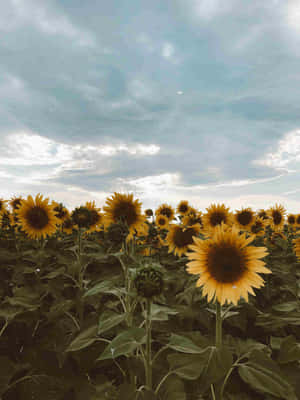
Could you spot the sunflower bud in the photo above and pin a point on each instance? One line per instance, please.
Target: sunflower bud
(149, 212)
(149, 282)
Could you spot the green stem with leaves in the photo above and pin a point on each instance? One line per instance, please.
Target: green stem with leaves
(148, 364)
(80, 282)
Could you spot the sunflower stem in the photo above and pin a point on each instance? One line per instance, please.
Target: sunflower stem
(218, 325)
(148, 364)
(80, 282)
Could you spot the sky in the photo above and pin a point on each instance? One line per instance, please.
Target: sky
(170, 100)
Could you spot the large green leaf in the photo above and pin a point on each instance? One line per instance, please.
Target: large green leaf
(101, 287)
(173, 389)
(184, 345)
(84, 339)
(108, 320)
(186, 366)
(263, 374)
(289, 350)
(124, 343)
(217, 364)
(7, 370)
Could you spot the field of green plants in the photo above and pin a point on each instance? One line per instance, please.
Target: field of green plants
(167, 304)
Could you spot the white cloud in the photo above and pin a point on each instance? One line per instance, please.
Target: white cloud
(288, 152)
(208, 9)
(168, 50)
(38, 14)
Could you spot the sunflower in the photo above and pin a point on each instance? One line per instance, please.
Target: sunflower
(296, 246)
(216, 214)
(15, 202)
(162, 222)
(37, 217)
(3, 205)
(183, 207)
(96, 217)
(276, 215)
(192, 219)
(5, 220)
(122, 207)
(262, 214)
(141, 230)
(148, 212)
(291, 220)
(244, 218)
(297, 220)
(273, 240)
(227, 266)
(61, 211)
(68, 225)
(257, 228)
(166, 210)
(180, 237)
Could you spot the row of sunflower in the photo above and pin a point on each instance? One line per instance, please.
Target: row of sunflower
(192, 230)
(216, 246)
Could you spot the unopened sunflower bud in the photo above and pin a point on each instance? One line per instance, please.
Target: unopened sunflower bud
(149, 282)
(149, 212)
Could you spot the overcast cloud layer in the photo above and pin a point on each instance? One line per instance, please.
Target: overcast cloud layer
(170, 100)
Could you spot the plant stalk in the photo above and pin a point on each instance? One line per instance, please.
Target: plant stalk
(218, 325)
(148, 364)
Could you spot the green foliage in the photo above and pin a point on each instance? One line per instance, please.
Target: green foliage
(74, 327)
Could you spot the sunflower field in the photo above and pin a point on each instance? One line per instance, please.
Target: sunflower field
(124, 304)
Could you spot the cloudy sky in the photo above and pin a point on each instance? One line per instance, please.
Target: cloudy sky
(172, 100)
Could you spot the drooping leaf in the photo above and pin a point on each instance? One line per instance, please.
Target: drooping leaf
(84, 339)
(124, 343)
(263, 374)
(108, 320)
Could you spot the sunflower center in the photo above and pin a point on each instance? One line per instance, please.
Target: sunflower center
(298, 220)
(244, 217)
(37, 217)
(257, 227)
(95, 217)
(167, 212)
(225, 263)
(126, 211)
(183, 208)
(291, 219)
(263, 215)
(217, 218)
(183, 238)
(68, 223)
(16, 203)
(277, 217)
(161, 221)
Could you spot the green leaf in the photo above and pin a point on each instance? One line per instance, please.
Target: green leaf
(217, 364)
(102, 287)
(184, 345)
(124, 343)
(54, 274)
(173, 389)
(263, 374)
(275, 342)
(108, 320)
(186, 366)
(286, 307)
(289, 350)
(161, 313)
(84, 339)
(6, 373)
